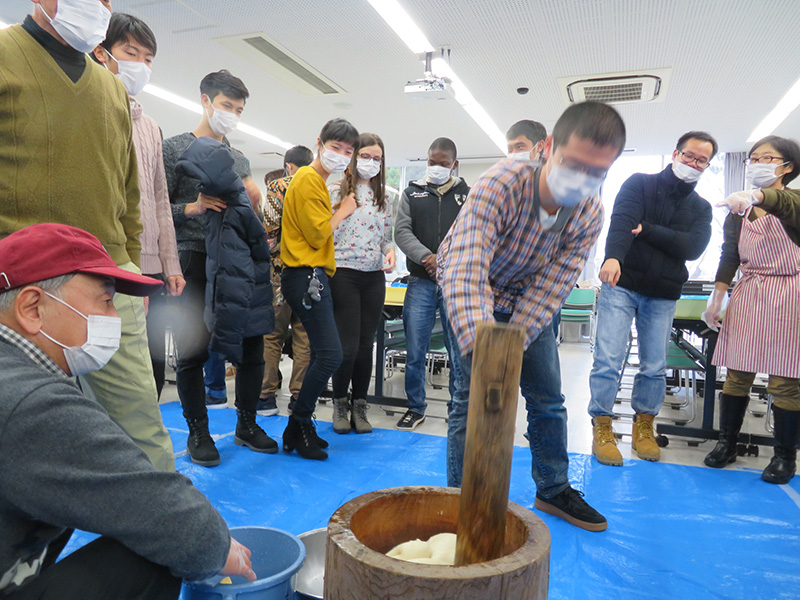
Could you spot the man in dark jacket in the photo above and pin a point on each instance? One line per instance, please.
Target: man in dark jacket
(238, 295)
(427, 211)
(659, 222)
(63, 463)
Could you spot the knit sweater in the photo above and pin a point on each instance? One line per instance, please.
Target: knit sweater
(306, 233)
(65, 464)
(66, 149)
(159, 251)
(189, 231)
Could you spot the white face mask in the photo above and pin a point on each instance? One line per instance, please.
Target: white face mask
(761, 175)
(82, 23)
(685, 172)
(570, 187)
(222, 122)
(524, 155)
(102, 341)
(368, 167)
(332, 161)
(437, 175)
(133, 75)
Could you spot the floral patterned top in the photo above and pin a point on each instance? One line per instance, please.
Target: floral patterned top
(362, 239)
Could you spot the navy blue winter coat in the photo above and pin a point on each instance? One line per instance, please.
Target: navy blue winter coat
(238, 288)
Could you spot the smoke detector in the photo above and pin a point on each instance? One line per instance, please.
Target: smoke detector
(616, 88)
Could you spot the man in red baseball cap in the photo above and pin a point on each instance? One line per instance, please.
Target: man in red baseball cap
(63, 462)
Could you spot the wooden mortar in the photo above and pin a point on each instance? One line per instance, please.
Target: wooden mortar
(364, 529)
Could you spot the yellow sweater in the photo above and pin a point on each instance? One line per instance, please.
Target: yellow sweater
(306, 234)
(66, 149)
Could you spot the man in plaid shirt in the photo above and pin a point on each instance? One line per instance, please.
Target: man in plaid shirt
(512, 256)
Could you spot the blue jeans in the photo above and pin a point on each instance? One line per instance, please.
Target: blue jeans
(323, 338)
(617, 307)
(423, 299)
(540, 384)
(214, 376)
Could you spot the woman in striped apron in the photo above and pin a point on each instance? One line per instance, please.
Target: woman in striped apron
(761, 332)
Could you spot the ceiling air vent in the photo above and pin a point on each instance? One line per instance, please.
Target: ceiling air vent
(616, 88)
(280, 63)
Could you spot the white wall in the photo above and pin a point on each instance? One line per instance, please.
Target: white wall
(470, 171)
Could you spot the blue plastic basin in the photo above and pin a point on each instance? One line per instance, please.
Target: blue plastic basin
(276, 556)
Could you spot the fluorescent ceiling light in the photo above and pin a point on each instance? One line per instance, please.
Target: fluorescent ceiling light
(399, 20)
(777, 115)
(463, 96)
(197, 108)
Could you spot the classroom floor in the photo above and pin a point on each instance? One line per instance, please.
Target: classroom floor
(676, 529)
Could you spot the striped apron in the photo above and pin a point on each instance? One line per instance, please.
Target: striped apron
(761, 329)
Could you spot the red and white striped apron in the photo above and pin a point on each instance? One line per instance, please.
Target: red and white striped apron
(761, 329)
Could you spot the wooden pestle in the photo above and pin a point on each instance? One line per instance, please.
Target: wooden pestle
(494, 389)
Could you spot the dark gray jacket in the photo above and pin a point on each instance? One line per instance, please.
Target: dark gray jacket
(424, 217)
(238, 287)
(65, 464)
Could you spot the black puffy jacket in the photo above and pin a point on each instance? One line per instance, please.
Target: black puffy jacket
(676, 227)
(238, 289)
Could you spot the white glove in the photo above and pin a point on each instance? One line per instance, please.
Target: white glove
(238, 562)
(717, 303)
(738, 202)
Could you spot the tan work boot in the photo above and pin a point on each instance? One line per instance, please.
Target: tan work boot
(644, 440)
(604, 444)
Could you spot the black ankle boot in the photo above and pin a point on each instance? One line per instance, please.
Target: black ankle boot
(249, 434)
(782, 466)
(731, 416)
(302, 437)
(320, 442)
(200, 446)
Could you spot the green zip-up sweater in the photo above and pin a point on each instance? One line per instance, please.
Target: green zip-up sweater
(66, 149)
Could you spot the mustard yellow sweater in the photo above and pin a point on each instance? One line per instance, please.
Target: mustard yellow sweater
(306, 234)
(66, 149)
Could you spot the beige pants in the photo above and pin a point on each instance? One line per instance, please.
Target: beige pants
(785, 390)
(125, 387)
(273, 346)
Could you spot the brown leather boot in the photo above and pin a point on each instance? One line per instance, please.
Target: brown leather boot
(644, 439)
(604, 444)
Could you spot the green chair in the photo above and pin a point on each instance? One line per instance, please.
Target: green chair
(579, 309)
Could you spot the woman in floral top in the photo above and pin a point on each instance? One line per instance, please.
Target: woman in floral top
(364, 250)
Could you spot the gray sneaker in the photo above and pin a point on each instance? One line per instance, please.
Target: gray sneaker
(358, 417)
(341, 415)
(410, 421)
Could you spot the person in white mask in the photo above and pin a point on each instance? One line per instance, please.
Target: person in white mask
(526, 140)
(760, 332)
(426, 212)
(73, 161)
(309, 263)
(364, 252)
(500, 262)
(63, 463)
(659, 222)
(223, 97)
(128, 51)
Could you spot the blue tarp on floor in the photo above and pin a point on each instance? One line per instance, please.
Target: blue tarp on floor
(675, 532)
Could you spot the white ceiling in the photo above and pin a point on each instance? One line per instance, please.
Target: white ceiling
(731, 61)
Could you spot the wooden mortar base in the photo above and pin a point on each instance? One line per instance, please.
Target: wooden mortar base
(364, 529)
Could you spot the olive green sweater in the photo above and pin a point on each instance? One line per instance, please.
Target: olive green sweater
(66, 149)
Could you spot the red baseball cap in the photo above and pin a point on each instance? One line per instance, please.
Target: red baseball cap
(50, 250)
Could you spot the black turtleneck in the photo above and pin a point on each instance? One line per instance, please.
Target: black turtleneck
(72, 62)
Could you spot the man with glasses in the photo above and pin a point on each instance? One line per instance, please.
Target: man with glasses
(659, 222)
(513, 255)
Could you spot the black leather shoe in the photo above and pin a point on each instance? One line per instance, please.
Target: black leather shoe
(731, 416)
(781, 468)
(200, 445)
(570, 506)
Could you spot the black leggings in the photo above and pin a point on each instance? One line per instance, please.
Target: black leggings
(101, 570)
(357, 304)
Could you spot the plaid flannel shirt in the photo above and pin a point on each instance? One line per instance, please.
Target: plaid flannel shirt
(497, 256)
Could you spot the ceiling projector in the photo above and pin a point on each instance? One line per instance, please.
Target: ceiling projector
(429, 88)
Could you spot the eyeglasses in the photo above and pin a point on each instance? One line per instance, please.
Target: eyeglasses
(364, 156)
(699, 161)
(754, 160)
(574, 165)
